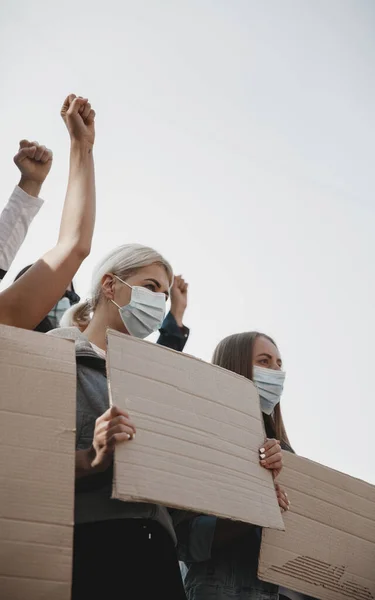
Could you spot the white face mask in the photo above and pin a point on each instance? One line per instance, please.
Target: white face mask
(270, 384)
(145, 312)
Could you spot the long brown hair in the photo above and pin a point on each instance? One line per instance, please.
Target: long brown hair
(236, 353)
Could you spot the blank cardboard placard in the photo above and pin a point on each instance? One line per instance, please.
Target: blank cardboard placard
(37, 449)
(328, 548)
(198, 433)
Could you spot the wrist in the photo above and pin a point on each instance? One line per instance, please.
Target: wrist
(81, 147)
(30, 187)
(178, 316)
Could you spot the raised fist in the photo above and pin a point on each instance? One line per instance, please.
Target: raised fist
(79, 119)
(34, 161)
(179, 293)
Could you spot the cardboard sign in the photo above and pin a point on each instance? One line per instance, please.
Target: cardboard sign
(37, 449)
(199, 428)
(328, 548)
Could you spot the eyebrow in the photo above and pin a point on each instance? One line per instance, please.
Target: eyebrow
(268, 356)
(156, 282)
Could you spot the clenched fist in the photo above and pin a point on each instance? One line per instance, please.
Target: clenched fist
(79, 119)
(34, 161)
(113, 427)
(179, 293)
(270, 456)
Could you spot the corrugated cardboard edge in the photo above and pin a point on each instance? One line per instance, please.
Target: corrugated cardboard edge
(323, 578)
(27, 532)
(130, 498)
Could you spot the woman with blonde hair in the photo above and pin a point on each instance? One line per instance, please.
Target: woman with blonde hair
(120, 549)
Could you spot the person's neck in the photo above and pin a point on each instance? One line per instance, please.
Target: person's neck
(96, 331)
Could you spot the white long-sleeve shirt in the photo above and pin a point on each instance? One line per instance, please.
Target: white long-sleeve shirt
(15, 221)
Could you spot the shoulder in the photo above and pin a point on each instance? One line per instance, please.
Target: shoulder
(86, 355)
(68, 333)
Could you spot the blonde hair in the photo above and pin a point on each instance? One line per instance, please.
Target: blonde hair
(123, 261)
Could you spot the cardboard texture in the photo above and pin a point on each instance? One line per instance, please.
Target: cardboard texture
(199, 429)
(37, 449)
(328, 548)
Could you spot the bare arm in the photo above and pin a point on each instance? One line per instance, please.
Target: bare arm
(26, 302)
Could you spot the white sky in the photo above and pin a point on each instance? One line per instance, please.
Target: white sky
(237, 137)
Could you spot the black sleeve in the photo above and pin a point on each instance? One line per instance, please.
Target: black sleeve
(171, 335)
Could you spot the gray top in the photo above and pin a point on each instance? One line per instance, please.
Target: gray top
(93, 494)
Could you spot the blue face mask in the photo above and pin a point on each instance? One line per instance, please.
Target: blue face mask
(270, 384)
(145, 312)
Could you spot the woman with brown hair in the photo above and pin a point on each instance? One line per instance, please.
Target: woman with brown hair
(221, 556)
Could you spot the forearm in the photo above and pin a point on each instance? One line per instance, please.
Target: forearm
(178, 315)
(171, 335)
(78, 218)
(32, 188)
(15, 220)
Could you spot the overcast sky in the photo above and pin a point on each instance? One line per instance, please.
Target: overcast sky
(237, 137)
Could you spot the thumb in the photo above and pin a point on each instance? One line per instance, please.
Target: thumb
(76, 105)
(67, 102)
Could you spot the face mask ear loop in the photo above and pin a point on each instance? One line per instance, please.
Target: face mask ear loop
(115, 303)
(124, 282)
(130, 286)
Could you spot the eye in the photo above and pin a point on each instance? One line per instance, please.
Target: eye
(151, 287)
(263, 361)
